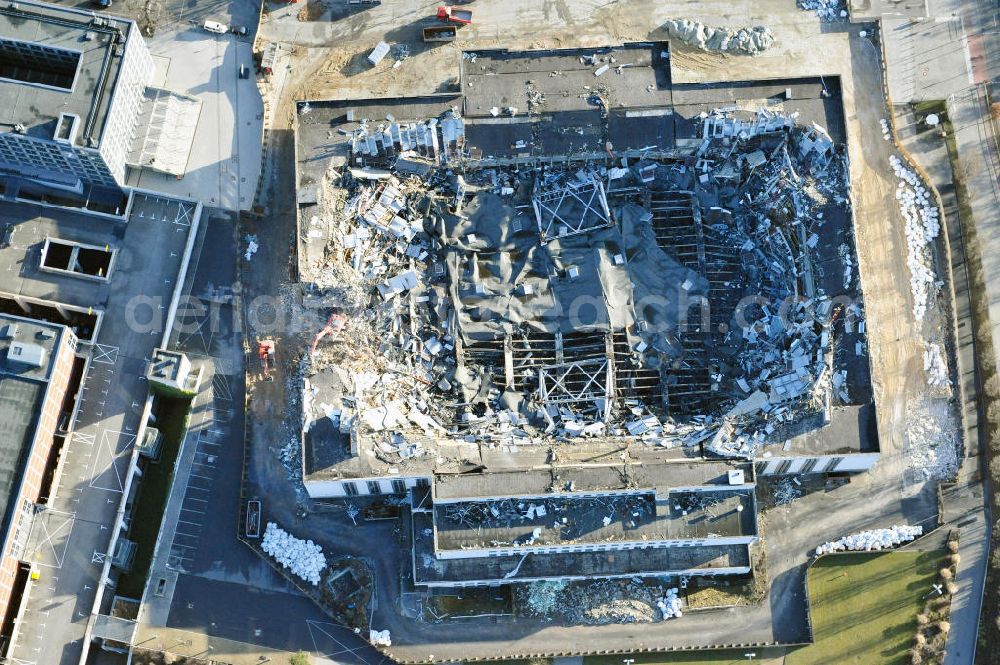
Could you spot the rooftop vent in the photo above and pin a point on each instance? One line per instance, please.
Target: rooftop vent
(32, 355)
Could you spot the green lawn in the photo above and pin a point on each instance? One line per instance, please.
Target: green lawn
(735, 657)
(864, 607)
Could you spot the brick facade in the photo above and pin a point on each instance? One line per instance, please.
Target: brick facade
(59, 376)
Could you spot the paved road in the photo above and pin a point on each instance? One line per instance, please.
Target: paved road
(71, 540)
(225, 160)
(208, 572)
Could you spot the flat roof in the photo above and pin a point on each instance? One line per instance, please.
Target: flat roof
(22, 391)
(95, 43)
(532, 566)
(558, 521)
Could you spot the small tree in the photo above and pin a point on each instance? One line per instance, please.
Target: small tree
(950, 588)
(916, 657)
(299, 658)
(953, 546)
(956, 559)
(923, 619)
(945, 574)
(944, 626)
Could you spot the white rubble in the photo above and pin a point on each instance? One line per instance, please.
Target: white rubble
(303, 558)
(750, 40)
(826, 10)
(380, 638)
(935, 366)
(922, 228)
(931, 443)
(670, 605)
(873, 540)
(886, 131)
(252, 247)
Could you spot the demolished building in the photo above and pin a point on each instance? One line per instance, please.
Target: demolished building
(563, 292)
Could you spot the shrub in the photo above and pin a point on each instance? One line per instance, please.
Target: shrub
(923, 619)
(299, 658)
(950, 588)
(943, 626)
(945, 574)
(953, 546)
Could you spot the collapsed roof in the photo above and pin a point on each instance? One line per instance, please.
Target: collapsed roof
(673, 301)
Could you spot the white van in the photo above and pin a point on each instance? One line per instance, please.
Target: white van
(216, 27)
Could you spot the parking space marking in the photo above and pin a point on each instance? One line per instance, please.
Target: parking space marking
(48, 526)
(221, 387)
(322, 631)
(106, 354)
(111, 462)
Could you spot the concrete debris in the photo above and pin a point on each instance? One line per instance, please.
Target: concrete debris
(452, 282)
(935, 366)
(749, 40)
(932, 442)
(252, 247)
(543, 597)
(670, 605)
(380, 638)
(886, 129)
(786, 491)
(873, 540)
(922, 227)
(600, 602)
(302, 558)
(826, 10)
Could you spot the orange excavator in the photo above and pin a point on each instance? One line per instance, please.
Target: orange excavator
(333, 327)
(265, 350)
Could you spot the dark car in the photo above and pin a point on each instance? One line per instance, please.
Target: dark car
(239, 30)
(244, 72)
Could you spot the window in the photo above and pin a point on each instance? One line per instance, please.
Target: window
(350, 489)
(374, 487)
(423, 482)
(832, 465)
(398, 486)
(39, 64)
(784, 466)
(809, 465)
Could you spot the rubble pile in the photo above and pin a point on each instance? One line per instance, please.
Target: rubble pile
(380, 638)
(557, 520)
(826, 10)
(452, 292)
(786, 491)
(872, 541)
(749, 40)
(670, 605)
(922, 227)
(935, 366)
(543, 597)
(600, 602)
(932, 442)
(302, 558)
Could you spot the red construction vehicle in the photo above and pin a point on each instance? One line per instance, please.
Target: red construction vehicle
(265, 350)
(448, 14)
(333, 327)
